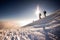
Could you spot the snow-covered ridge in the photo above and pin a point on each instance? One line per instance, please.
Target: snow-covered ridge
(47, 20)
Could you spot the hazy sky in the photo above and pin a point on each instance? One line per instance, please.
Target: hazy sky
(25, 9)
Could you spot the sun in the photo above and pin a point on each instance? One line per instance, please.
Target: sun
(37, 11)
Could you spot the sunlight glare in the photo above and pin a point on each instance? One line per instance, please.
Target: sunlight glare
(37, 11)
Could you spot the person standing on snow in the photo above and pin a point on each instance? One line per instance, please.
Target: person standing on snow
(39, 15)
(44, 13)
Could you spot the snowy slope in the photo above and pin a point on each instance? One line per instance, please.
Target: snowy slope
(55, 17)
(49, 27)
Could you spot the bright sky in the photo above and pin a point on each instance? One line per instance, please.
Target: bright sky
(25, 11)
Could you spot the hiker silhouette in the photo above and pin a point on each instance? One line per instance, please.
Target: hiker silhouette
(39, 15)
(44, 13)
